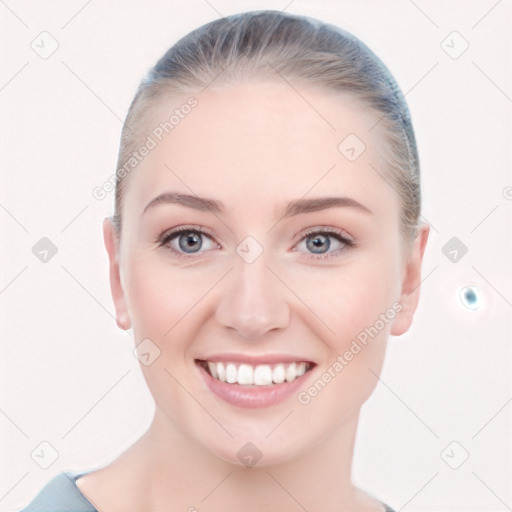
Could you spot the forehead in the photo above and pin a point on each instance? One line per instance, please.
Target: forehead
(261, 141)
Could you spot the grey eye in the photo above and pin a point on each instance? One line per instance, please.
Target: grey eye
(318, 243)
(190, 241)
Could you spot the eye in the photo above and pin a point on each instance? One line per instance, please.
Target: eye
(190, 241)
(325, 242)
(186, 241)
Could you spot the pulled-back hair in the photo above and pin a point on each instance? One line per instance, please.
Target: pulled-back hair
(270, 46)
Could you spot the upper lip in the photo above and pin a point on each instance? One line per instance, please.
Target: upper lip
(256, 359)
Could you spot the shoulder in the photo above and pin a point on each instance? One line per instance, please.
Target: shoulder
(60, 494)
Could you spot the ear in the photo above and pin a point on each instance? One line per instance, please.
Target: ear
(411, 280)
(111, 241)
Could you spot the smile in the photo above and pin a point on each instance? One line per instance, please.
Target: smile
(257, 375)
(262, 384)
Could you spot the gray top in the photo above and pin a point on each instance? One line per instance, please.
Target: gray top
(61, 494)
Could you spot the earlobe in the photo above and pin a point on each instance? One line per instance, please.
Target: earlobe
(122, 321)
(112, 246)
(410, 292)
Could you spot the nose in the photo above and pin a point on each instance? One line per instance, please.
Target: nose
(253, 300)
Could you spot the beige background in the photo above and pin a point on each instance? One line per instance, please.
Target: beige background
(69, 377)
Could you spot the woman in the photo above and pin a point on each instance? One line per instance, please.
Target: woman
(266, 241)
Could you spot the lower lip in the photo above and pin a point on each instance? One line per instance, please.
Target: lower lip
(253, 397)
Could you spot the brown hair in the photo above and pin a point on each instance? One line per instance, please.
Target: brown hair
(262, 45)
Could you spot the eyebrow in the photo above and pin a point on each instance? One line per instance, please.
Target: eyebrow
(296, 207)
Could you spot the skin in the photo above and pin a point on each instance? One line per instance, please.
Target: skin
(255, 147)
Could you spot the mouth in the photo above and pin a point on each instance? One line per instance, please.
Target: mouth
(246, 374)
(244, 384)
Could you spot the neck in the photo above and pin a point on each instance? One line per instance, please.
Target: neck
(177, 471)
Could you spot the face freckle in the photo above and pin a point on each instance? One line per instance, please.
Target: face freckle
(254, 287)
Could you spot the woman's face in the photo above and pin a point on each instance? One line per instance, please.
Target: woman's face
(294, 258)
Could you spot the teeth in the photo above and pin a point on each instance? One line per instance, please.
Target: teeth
(260, 375)
(245, 374)
(278, 374)
(213, 369)
(291, 372)
(263, 375)
(231, 373)
(221, 372)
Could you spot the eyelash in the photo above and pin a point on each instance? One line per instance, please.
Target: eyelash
(168, 236)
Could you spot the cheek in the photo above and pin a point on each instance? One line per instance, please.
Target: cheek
(159, 297)
(161, 304)
(352, 297)
(357, 305)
